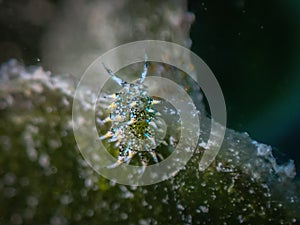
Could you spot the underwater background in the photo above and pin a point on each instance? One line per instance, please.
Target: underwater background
(253, 47)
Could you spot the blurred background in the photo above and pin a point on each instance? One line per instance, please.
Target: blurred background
(251, 46)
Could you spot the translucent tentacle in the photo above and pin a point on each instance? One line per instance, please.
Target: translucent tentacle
(145, 71)
(115, 77)
(154, 157)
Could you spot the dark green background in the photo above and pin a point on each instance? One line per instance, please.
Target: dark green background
(253, 48)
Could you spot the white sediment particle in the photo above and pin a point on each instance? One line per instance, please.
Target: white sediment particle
(6, 102)
(203, 144)
(240, 218)
(172, 112)
(32, 201)
(285, 171)
(230, 188)
(65, 102)
(213, 196)
(9, 192)
(251, 191)
(16, 219)
(54, 144)
(262, 149)
(80, 120)
(29, 142)
(220, 168)
(180, 207)
(146, 221)
(188, 149)
(44, 160)
(9, 179)
(203, 209)
(292, 199)
(36, 87)
(195, 113)
(63, 86)
(172, 141)
(203, 184)
(66, 199)
(58, 220)
(231, 149)
(124, 216)
(125, 192)
(95, 157)
(88, 182)
(90, 213)
(37, 74)
(127, 195)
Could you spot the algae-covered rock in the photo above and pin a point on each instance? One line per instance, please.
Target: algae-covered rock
(45, 180)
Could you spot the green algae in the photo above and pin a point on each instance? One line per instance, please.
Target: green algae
(45, 180)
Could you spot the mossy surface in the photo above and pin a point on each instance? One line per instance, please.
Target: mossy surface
(45, 180)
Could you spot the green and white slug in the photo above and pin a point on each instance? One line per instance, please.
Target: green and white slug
(136, 127)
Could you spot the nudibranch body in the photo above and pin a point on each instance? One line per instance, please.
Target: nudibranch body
(135, 125)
